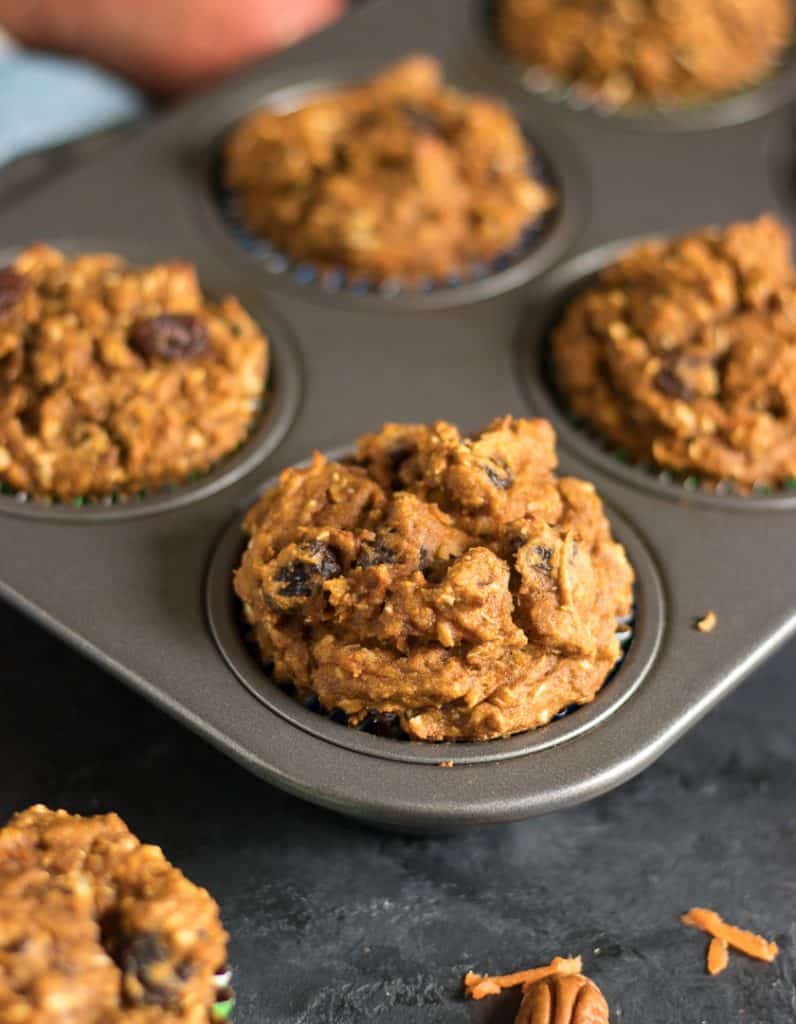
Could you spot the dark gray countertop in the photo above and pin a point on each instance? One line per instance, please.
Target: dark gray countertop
(332, 922)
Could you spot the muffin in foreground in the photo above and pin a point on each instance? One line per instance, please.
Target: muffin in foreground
(115, 379)
(400, 177)
(683, 352)
(98, 928)
(623, 52)
(455, 585)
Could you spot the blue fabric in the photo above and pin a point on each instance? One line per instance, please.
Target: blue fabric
(45, 100)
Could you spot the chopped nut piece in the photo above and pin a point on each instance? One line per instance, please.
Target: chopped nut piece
(477, 986)
(718, 956)
(746, 942)
(707, 623)
(563, 999)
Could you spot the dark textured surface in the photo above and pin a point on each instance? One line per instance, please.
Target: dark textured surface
(334, 923)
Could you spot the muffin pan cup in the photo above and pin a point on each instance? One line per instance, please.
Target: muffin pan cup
(143, 592)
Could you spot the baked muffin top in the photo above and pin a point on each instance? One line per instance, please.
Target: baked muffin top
(455, 584)
(97, 928)
(114, 379)
(648, 51)
(401, 177)
(684, 352)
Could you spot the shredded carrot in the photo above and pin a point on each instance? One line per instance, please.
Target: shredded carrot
(718, 956)
(747, 942)
(479, 985)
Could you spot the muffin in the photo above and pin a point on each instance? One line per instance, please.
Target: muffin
(453, 585)
(114, 379)
(98, 928)
(664, 52)
(683, 352)
(402, 177)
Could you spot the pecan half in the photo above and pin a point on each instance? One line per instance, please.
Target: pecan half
(563, 999)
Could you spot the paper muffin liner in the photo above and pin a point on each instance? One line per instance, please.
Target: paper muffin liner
(221, 1010)
(387, 724)
(342, 281)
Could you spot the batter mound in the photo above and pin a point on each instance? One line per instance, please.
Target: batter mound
(97, 928)
(664, 52)
(400, 177)
(455, 583)
(684, 352)
(114, 379)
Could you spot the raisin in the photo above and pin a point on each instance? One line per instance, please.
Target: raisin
(545, 556)
(500, 477)
(327, 565)
(670, 384)
(422, 121)
(398, 457)
(376, 553)
(142, 957)
(12, 286)
(383, 723)
(170, 336)
(299, 576)
(296, 579)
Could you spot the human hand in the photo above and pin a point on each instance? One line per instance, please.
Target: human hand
(166, 46)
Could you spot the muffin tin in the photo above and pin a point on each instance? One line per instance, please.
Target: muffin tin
(143, 587)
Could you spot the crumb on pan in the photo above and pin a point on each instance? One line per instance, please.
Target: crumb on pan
(707, 623)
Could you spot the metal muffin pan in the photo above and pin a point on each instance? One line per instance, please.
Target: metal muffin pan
(141, 587)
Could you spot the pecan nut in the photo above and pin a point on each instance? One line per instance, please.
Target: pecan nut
(563, 999)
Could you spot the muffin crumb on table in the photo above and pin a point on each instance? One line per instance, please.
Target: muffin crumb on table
(98, 928)
(115, 379)
(402, 177)
(634, 52)
(453, 582)
(682, 353)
